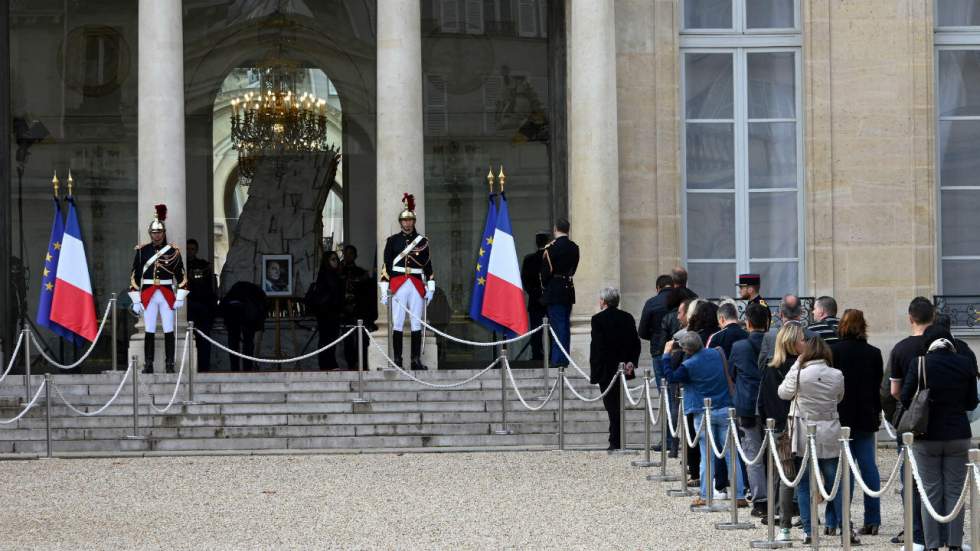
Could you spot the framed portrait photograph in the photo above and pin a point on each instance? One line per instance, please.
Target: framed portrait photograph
(277, 275)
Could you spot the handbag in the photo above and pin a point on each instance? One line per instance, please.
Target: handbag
(784, 449)
(728, 377)
(915, 418)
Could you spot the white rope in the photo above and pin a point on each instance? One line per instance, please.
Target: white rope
(856, 472)
(57, 390)
(720, 454)
(673, 426)
(420, 381)
(180, 373)
(779, 465)
(888, 427)
(814, 464)
(738, 445)
(565, 353)
(91, 348)
(272, 360)
(657, 419)
(698, 432)
(13, 356)
(464, 341)
(518, 392)
(628, 392)
(568, 383)
(29, 406)
(942, 519)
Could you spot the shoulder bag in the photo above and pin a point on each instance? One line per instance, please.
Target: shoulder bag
(915, 419)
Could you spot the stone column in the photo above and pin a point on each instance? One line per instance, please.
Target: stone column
(161, 166)
(593, 156)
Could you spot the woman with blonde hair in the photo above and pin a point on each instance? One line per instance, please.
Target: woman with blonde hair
(770, 405)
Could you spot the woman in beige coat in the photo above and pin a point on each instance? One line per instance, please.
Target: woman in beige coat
(815, 388)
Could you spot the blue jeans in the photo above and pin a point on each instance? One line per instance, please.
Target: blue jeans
(863, 449)
(559, 316)
(719, 430)
(828, 468)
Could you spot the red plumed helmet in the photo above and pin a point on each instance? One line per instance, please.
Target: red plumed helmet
(409, 213)
(158, 218)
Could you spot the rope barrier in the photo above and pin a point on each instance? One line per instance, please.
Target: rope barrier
(711, 440)
(464, 341)
(561, 347)
(738, 445)
(856, 472)
(29, 406)
(122, 383)
(779, 465)
(942, 519)
(518, 392)
(91, 348)
(275, 360)
(672, 426)
(888, 427)
(815, 465)
(180, 373)
(628, 392)
(420, 381)
(568, 383)
(698, 432)
(13, 356)
(653, 420)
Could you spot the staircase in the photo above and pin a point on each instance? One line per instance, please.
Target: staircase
(304, 411)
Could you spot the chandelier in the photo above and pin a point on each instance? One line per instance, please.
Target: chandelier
(274, 122)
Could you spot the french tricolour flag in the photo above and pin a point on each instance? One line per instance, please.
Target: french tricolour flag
(73, 306)
(503, 300)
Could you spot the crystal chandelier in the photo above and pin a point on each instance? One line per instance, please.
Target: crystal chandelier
(274, 121)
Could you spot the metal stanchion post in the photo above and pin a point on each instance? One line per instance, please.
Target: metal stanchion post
(708, 457)
(683, 491)
(909, 488)
(191, 344)
(845, 488)
(733, 473)
(360, 364)
(136, 401)
(544, 366)
(561, 408)
(620, 381)
(115, 344)
(974, 501)
(47, 412)
(546, 345)
(503, 393)
(27, 364)
(770, 541)
(811, 432)
(647, 426)
(664, 439)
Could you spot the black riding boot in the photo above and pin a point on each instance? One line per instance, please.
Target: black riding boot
(148, 349)
(417, 351)
(396, 347)
(169, 343)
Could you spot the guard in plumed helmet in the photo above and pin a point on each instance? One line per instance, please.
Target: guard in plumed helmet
(158, 287)
(407, 276)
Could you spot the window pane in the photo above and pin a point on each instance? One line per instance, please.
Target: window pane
(710, 225)
(959, 164)
(961, 277)
(707, 14)
(712, 280)
(961, 223)
(710, 156)
(772, 85)
(959, 83)
(770, 14)
(772, 154)
(708, 86)
(958, 13)
(773, 225)
(778, 278)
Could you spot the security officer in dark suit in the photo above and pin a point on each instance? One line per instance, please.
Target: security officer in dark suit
(749, 286)
(202, 303)
(558, 264)
(530, 278)
(614, 341)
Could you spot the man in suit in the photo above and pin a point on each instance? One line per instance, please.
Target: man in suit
(614, 341)
(530, 278)
(558, 264)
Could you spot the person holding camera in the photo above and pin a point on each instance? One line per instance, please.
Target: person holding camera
(614, 341)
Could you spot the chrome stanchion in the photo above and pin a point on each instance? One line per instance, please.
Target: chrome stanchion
(647, 423)
(770, 541)
(974, 501)
(664, 439)
(620, 380)
(909, 488)
(811, 433)
(544, 368)
(136, 401)
(561, 408)
(683, 491)
(708, 457)
(191, 344)
(845, 487)
(27, 363)
(503, 393)
(360, 364)
(115, 343)
(733, 473)
(47, 412)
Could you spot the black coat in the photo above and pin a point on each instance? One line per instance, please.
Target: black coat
(531, 278)
(728, 336)
(651, 322)
(952, 383)
(614, 340)
(770, 404)
(244, 305)
(330, 294)
(558, 265)
(863, 369)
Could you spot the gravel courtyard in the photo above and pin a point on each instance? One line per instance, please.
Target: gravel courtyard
(525, 500)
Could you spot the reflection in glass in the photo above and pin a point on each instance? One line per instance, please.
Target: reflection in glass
(957, 13)
(710, 152)
(707, 14)
(778, 278)
(708, 86)
(771, 85)
(960, 277)
(770, 14)
(773, 225)
(960, 222)
(959, 164)
(959, 83)
(710, 225)
(772, 155)
(711, 279)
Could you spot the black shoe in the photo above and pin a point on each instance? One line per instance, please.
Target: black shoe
(169, 367)
(828, 531)
(148, 368)
(854, 539)
(694, 483)
(672, 454)
(417, 365)
(399, 362)
(759, 510)
(869, 530)
(899, 538)
(656, 447)
(798, 523)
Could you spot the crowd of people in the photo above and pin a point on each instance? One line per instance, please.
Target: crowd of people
(800, 371)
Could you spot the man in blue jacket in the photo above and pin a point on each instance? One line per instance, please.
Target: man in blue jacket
(744, 362)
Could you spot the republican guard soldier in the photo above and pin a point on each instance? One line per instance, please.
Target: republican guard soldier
(558, 264)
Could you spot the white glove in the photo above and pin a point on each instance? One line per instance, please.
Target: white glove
(383, 287)
(137, 308)
(134, 296)
(430, 291)
(178, 304)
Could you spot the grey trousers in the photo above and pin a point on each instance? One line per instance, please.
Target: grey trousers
(942, 468)
(751, 441)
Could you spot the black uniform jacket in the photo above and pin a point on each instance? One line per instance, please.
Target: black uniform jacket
(168, 267)
(417, 263)
(558, 265)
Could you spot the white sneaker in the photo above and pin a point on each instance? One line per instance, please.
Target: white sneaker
(783, 535)
(721, 495)
(918, 547)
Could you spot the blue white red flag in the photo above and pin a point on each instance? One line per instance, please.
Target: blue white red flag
(73, 306)
(49, 277)
(503, 300)
(482, 266)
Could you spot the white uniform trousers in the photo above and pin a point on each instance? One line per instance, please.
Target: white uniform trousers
(408, 296)
(158, 305)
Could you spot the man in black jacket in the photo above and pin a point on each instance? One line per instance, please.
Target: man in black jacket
(744, 363)
(614, 341)
(531, 279)
(730, 332)
(651, 320)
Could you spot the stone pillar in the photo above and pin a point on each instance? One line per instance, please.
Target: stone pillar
(593, 157)
(161, 167)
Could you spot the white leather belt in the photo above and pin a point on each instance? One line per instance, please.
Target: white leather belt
(158, 282)
(399, 269)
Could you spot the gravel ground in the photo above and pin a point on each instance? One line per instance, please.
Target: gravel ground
(526, 500)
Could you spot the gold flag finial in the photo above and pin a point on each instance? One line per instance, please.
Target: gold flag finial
(502, 178)
(490, 179)
(54, 182)
(71, 182)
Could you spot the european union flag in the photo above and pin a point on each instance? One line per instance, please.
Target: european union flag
(482, 264)
(49, 275)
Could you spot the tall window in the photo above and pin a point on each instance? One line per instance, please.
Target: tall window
(958, 152)
(743, 171)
